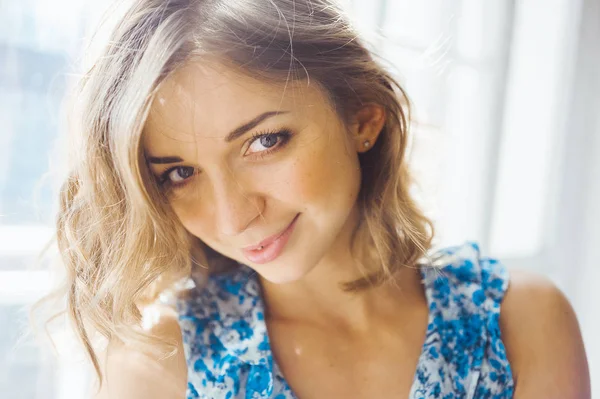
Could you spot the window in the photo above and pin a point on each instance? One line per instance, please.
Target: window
(505, 99)
(39, 43)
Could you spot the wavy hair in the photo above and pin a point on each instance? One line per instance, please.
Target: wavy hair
(119, 241)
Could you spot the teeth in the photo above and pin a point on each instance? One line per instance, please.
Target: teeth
(258, 248)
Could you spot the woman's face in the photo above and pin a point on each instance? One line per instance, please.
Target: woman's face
(241, 160)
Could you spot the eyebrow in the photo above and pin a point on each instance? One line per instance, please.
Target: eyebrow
(236, 133)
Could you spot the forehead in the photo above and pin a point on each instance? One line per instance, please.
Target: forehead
(208, 100)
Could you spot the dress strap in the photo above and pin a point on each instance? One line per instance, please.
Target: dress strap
(463, 351)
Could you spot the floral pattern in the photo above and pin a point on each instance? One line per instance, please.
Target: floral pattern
(228, 353)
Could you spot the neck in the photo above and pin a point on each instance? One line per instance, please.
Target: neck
(319, 297)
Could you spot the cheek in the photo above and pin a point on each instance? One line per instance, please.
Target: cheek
(323, 176)
(192, 214)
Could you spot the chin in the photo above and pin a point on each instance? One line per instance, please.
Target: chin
(282, 273)
(287, 269)
(296, 261)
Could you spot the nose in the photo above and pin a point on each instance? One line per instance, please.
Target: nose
(236, 206)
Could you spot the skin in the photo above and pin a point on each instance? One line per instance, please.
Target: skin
(235, 199)
(345, 344)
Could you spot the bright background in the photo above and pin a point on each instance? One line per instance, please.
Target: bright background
(507, 145)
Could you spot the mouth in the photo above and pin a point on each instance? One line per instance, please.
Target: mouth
(271, 247)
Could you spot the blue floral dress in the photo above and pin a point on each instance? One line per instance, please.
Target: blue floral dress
(228, 353)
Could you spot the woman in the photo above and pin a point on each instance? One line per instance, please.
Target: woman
(257, 149)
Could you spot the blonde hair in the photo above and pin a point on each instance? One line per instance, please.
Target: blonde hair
(119, 240)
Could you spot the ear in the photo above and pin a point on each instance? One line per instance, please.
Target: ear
(366, 125)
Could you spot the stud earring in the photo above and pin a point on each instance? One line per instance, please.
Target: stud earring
(366, 143)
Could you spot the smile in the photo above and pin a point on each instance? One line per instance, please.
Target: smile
(270, 248)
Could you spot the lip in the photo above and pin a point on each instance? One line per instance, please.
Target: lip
(270, 239)
(271, 247)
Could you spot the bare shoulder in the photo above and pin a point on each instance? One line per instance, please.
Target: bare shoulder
(543, 340)
(132, 374)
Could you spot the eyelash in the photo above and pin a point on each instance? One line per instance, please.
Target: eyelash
(283, 135)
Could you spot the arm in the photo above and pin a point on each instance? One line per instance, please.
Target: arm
(130, 374)
(543, 340)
